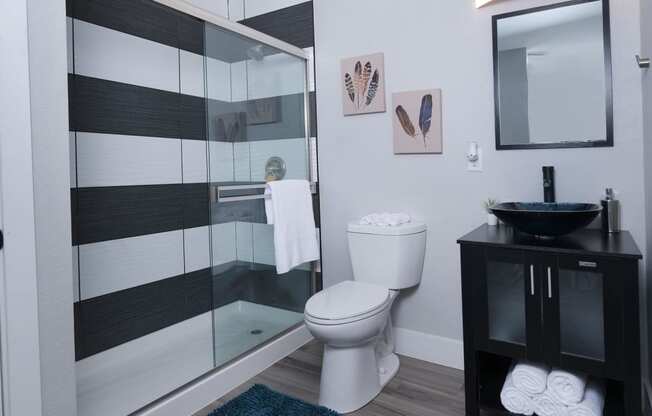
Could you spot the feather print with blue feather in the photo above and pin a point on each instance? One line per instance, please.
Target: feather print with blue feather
(425, 116)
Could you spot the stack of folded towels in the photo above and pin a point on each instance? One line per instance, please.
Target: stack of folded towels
(536, 389)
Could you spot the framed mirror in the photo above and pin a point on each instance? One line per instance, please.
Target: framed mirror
(552, 76)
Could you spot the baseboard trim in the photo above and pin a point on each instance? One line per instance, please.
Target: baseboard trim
(427, 347)
(203, 392)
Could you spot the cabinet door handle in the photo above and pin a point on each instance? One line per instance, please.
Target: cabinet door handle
(532, 279)
(549, 283)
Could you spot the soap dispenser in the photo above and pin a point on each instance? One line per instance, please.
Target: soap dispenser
(610, 212)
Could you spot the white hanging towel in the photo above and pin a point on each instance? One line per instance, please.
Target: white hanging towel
(593, 402)
(288, 205)
(568, 387)
(530, 377)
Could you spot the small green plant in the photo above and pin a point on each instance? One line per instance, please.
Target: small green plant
(489, 203)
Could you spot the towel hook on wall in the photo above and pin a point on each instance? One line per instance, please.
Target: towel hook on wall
(643, 63)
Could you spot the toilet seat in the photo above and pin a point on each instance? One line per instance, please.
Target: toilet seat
(346, 302)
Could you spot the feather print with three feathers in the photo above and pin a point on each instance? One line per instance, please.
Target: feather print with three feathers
(362, 86)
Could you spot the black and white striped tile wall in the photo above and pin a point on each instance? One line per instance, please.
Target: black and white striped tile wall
(141, 134)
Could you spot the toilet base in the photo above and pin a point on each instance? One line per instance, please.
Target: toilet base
(387, 368)
(351, 377)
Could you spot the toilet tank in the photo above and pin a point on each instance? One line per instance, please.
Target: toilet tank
(391, 257)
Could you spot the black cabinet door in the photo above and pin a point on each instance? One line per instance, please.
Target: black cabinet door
(583, 314)
(508, 312)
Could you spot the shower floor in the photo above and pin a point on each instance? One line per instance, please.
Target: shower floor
(123, 379)
(240, 326)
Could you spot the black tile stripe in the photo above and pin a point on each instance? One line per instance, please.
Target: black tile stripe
(294, 24)
(289, 125)
(101, 106)
(191, 33)
(244, 211)
(107, 321)
(192, 117)
(108, 213)
(113, 319)
(142, 18)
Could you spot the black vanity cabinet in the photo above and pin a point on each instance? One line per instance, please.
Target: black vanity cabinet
(570, 303)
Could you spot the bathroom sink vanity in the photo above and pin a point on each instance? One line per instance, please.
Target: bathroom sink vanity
(571, 302)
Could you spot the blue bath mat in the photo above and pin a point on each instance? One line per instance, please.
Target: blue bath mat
(261, 401)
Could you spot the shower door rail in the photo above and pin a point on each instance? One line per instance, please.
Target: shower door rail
(235, 193)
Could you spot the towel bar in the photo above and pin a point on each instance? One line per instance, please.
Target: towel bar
(229, 193)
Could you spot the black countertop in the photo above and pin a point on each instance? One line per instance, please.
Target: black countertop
(585, 241)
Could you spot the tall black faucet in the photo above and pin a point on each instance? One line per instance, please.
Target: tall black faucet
(548, 184)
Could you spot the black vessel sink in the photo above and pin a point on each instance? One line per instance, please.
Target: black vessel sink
(546, 219)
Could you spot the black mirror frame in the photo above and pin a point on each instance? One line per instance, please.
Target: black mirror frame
(606, 30)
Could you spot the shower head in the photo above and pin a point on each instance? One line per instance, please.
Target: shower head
(256, 53)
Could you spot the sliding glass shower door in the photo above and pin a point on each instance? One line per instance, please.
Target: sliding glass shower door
(256, 124)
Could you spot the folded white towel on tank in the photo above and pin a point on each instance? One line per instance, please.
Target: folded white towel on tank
(530, 377)
(568, 387)
(593, 402)
(385, 219)
(515, 400)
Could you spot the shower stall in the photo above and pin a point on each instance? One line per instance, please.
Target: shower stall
(164, 302)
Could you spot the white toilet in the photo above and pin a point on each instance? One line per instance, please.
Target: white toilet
(352, 318)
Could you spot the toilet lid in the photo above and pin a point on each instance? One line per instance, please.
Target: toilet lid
(346, 300)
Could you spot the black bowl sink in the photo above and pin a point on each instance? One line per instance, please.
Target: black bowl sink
(546, 219)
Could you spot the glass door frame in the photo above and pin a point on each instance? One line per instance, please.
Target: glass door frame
(531, 264)
(613, 300)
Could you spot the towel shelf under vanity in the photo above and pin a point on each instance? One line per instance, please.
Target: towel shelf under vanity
(570, 303)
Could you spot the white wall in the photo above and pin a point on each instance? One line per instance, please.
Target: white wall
(19, 341)
(50, 146)
(447, 44)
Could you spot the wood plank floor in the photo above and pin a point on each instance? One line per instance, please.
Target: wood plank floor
(419, 388)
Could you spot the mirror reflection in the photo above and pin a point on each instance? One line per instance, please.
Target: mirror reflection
(552, 77)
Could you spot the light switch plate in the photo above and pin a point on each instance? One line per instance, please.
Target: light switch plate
(477, 165)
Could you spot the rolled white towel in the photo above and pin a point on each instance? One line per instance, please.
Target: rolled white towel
(385, 219)
(530, 377)
(568, 387)
(515, 400)
(593, 403)
(548, 404)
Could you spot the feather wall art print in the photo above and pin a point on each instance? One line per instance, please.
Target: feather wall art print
(417, 122)
(363, 84)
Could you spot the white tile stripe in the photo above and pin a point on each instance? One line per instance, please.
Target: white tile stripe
(104, 53)
(110, 266)
(115, 160)
(116, 56)
(101, 159)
